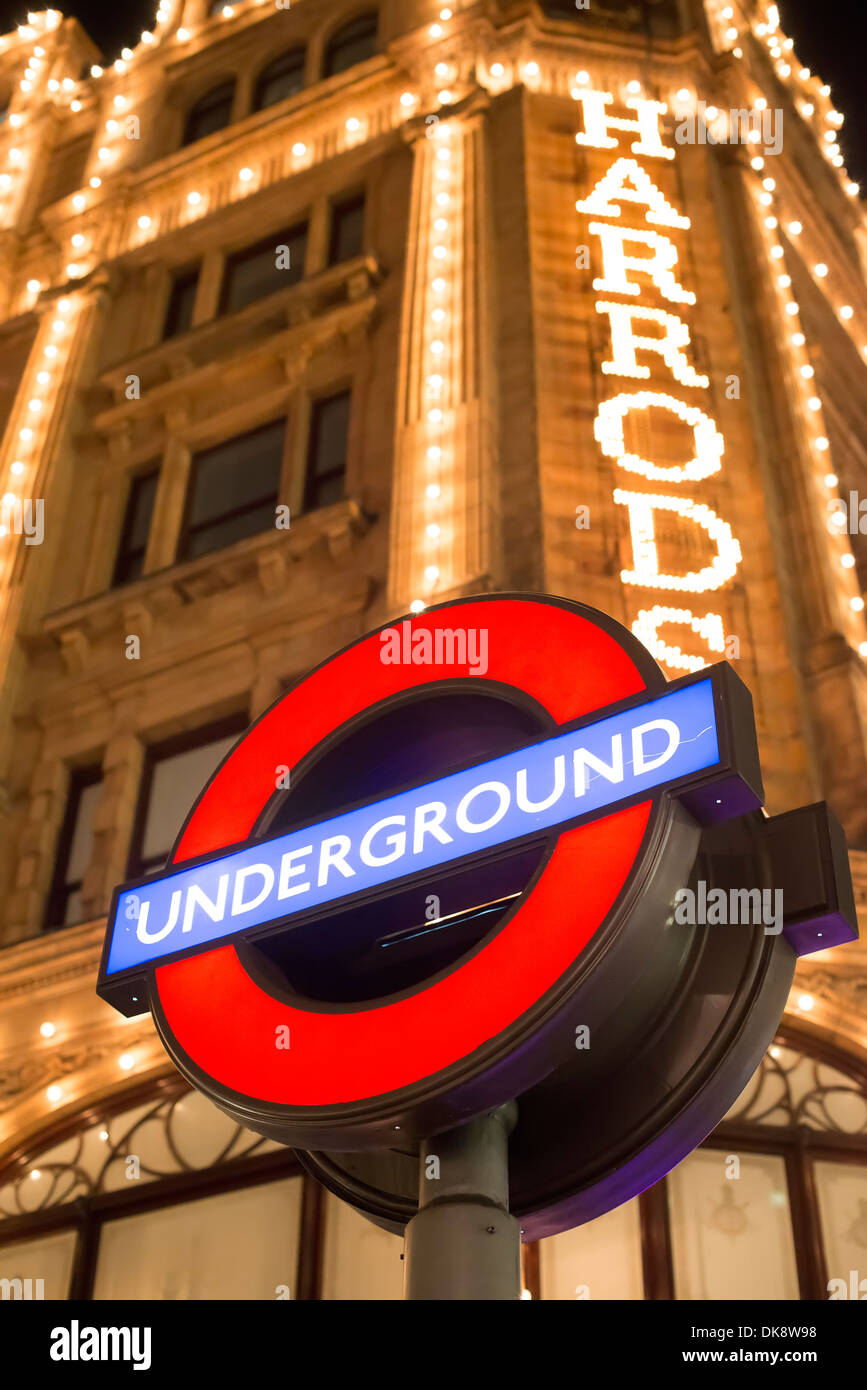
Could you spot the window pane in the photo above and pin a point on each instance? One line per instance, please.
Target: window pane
(253, 273)
(281, 79)
(347, 230)
(360, 1260)
(239, 1245)
(326, 458)
(732, 1237)
(136, 528)
(175, 785)
(179, 315)
(599, 1260)
(234, 476)
(212, 113)
(238, 527)
(81, 846)
(74, 849)
(842, 1189)
(352, 44)
(49, 1259)
(234, 490)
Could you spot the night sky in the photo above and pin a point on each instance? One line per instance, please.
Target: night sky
(830, 37)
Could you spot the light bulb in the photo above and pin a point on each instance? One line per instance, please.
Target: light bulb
(54, 1094)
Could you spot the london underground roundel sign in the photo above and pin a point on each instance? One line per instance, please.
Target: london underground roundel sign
(430, 862)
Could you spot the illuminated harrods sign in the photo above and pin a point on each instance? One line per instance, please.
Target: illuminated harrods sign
(630, 256)
(551, 810)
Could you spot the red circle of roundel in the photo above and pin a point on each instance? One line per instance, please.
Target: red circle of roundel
(226, 1023)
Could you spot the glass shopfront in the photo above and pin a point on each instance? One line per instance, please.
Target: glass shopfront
(169, 1199)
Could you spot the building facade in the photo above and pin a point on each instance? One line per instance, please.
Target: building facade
(312, 315)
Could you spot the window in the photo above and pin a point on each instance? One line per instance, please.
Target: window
(175, 773)
(281, 79)
(352, 44)
(254, 272)
(233, 490)
(136, 528)
(347, 230)
(326, 453)
(211, 112)
(179, 314)
(75, 848)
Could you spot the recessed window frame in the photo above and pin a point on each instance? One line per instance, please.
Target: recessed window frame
(182, 553)
(345, 206)
(157, 752)
(312, 481)
(344, 35)
(272, 69)
(142, 477)
(80, 779)
(285, 278)
(182, 277)
(220, 94)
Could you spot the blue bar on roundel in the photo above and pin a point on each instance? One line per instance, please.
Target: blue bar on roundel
(573, 774)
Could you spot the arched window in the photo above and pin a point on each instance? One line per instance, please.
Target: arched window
(211, 112)
(352, 44)
(281, 79)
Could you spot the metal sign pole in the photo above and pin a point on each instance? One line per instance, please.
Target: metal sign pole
(462, 1243)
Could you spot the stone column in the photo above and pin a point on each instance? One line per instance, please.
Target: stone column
(442, 432)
